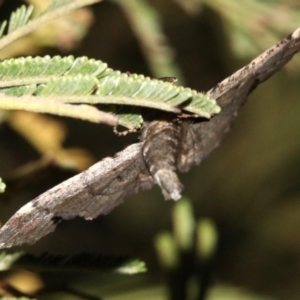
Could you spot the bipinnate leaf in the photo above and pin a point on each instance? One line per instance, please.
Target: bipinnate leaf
(57, 85)
(17, 298)
(20, 17)
(84, 262)
(21, 23)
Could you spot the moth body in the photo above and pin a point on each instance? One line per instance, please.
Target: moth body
(160, 147)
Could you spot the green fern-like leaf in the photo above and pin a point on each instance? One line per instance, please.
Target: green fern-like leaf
(16, 298)
(21, 23)
(20, 17)
(26, 70)
(42, 84)
(84, 262)
(57, 3)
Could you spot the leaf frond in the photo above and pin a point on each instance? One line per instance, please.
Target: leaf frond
(16, 298)
(20, 17)
(84, 262)
(21, 23)
(58, 84)
(50, 105)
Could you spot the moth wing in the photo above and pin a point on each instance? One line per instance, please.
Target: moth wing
(89, 194)
(201, 138)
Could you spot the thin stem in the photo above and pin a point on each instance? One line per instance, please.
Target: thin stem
(52, 106)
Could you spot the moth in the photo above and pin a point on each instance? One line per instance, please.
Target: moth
(138, 167)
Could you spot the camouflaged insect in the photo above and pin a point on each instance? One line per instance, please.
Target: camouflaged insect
(166, 147)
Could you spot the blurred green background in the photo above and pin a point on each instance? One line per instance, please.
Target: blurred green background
(250, 186)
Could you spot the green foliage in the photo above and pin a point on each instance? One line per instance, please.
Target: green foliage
(26, 70)
(2, 186)
(38, 81)
(248, 35)
(55, 85)
(84, 262)
(18, 18)
(21, 24)
(57, 3)
(186, 254)
(22, 15)
(16, 298)
(147, 24)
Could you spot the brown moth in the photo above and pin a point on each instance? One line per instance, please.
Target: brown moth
(106, 184)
